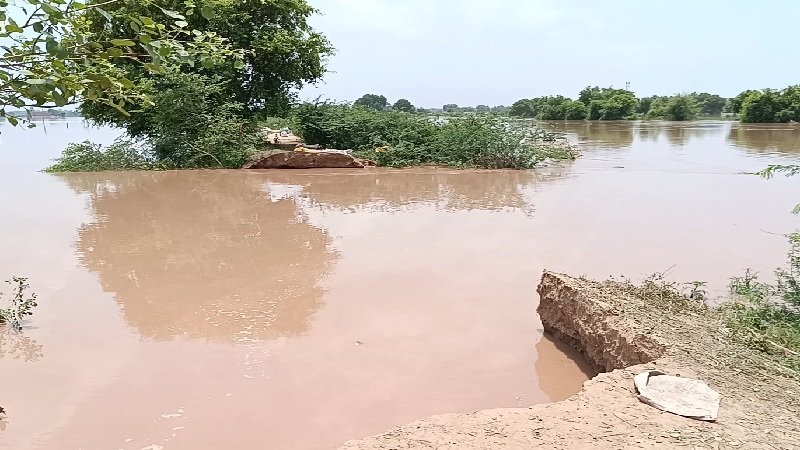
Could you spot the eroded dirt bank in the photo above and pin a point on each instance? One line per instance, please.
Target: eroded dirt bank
(627, 330)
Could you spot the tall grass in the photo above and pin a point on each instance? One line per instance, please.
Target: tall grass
(767, 315)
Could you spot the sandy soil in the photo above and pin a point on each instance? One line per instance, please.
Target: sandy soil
(616, 325)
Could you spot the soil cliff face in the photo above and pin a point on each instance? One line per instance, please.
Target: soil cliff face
(625, 330)
(608, 340)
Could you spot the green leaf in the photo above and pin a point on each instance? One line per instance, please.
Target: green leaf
(172, 14)
(154, 68)
(207, 63)
(49, 10)
(52, 46)
(12, 27)
(182, 23)
(38, 27)
(238, 64)
(36, 81)
(207, 12)
(123, 42)
(59, 99)
(12, 120)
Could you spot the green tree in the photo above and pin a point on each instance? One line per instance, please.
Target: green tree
(450, 107)
(618, 106)
(734, 105)
(762, 107)
(403, 105)
(575, 110)
(372, 101)
(52, 57)
(709, 104)
(552, 107)
(588, 94)
(282, 52)
(644, 105)
(791, 105)
(658, 107)
(522, 108)
(482, 108)
(680, 108)
(500, 109)
(192, 123)
(608, 103)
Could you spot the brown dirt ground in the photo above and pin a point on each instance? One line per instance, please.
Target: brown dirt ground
(616, 325)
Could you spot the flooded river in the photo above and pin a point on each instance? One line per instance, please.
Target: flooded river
(297, 310)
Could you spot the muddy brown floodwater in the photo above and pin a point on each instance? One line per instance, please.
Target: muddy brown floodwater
(301, 309)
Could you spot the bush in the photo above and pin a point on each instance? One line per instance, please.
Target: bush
(768, 316)
(188, 124)
(401, 139)
(360, 128)
(89, 157)
(21, 305)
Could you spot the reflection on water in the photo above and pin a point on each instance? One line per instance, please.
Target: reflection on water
(158, 234)
(610, 134)
(445, 190)
(273, 303)
(606, 134)
(780, 138)
(19, 346)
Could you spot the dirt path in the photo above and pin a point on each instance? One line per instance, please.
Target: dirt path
(628, 330)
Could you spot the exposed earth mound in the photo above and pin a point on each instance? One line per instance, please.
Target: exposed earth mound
(306, 160)
(624, 329)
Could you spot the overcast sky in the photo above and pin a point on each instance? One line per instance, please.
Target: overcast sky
(495, 52)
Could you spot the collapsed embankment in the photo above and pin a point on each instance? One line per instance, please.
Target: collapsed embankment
(623, 330)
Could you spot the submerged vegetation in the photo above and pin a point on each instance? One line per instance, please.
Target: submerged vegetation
(396, 138)
(19, 305)
(86, 156)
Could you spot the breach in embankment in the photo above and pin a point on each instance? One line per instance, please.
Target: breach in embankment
(625, 329)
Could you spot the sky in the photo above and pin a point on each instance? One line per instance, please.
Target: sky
(473, 52)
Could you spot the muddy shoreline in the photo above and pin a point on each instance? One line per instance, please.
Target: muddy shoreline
(623, 334)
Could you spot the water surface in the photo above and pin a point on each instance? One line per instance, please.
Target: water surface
(300, 309)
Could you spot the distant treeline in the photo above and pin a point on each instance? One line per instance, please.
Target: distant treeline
(46, 113)
(380, 103)
(596, 103)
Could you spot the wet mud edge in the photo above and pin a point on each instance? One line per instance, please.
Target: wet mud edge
(622, 335)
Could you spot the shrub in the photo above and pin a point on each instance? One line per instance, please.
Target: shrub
(189, 123)
(89, 157)
(400, 139)
(767, 317)
(20, 305)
